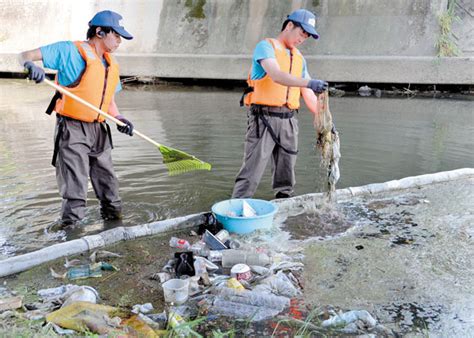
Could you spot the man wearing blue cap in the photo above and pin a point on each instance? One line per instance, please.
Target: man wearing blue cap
(83, 140)
(277, 80)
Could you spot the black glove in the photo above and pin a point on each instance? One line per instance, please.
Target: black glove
(318, 86)
(35, 73)
(127, 128)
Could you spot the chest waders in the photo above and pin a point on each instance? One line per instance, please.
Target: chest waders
(57, 95)
(260, 112)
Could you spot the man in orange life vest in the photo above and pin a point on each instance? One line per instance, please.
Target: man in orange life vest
(277, 79)
(83, 140)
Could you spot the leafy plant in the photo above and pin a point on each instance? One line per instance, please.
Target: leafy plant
(445, 44)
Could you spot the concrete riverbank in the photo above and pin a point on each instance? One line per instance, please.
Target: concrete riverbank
(361, 41)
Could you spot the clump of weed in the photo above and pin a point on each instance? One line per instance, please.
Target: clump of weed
(446, 44)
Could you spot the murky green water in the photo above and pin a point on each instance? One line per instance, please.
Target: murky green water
(381, 139)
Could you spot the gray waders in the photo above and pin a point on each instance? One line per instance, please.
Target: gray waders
(271, 132)
(83, 149)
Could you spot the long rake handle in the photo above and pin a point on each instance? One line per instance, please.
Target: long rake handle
(97, 110)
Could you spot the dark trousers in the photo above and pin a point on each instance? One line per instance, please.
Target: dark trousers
(84, 150)
(260, 147)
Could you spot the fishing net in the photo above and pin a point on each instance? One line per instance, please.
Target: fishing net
(327, 142)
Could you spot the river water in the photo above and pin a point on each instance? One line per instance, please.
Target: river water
(381, 140)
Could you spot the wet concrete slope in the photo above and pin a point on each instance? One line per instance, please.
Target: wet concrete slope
(408, 262)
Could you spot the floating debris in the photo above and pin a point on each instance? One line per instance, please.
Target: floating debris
(365, 91)
(327, 142)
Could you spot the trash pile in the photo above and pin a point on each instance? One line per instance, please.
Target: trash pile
(218, 276)
(222, 276)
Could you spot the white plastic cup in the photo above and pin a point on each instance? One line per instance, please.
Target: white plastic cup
(241, 272)
(176, 291)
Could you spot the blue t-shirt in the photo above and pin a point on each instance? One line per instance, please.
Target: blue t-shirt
(64, 57)
(264, 50)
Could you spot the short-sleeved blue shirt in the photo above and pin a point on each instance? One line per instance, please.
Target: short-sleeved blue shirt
(64, 57)
(264, 50)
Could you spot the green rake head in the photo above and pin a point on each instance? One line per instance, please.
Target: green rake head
(179, 162)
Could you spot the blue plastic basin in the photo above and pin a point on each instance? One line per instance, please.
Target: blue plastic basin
(243, 225)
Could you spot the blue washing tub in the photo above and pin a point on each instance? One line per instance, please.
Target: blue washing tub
(242, 225)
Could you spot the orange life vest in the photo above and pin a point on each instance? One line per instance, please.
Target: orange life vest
(269, 93)
(96, 85)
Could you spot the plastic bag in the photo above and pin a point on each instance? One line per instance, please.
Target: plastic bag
(350, 317)
(278, 284)
(80, 293)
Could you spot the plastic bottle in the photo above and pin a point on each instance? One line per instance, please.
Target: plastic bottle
(199, 249)
(232, 244)
(231, 257)
(215, 255)
(255, 298)
(179, 243)
(239, 310)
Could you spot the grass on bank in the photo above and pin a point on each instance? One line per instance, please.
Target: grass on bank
(446, 44)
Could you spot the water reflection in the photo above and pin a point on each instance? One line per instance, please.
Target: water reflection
(381, 139)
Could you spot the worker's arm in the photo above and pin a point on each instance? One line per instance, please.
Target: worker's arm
(113, 109)
(26, 59)
(30, 55)
(272, 68)
(310, 99)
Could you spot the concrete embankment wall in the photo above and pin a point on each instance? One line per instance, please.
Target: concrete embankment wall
(361, 40)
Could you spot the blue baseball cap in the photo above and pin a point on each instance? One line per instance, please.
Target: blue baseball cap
(307, 20)
(110, 19)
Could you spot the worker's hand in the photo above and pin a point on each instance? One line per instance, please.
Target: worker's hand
(333, 129)
(127, 128)
(35, 73)
(318, 86)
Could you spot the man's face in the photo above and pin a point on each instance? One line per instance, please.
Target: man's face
(111, 41)
(296, 35)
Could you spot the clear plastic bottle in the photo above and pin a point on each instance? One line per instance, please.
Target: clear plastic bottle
(199, 249)
(239, 310)
(231, 257)
(255, 298)
(179, 243)
(215, 255)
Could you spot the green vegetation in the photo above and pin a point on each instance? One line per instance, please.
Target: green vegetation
(446, 45)
(196, 9)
